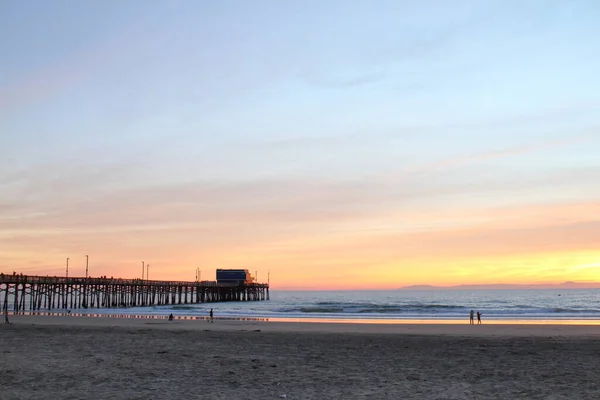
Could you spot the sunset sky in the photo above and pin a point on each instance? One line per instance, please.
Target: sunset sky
(336, 144)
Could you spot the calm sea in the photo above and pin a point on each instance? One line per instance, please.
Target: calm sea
(397, 305)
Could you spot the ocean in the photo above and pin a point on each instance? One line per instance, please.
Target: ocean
(394, 306)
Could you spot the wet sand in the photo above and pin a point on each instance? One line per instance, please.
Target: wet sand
(102, 358)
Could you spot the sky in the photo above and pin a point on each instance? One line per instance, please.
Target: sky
(318, 144)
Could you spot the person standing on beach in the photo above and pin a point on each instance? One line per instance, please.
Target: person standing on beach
(478, 318)
(471, 314)
(210, 316)
(6, 316)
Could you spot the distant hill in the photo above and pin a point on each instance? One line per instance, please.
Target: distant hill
(508, 286)
(422, 287)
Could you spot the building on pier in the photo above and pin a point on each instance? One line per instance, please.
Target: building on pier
(234, 277)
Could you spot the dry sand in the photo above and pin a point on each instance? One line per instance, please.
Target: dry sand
(100, 358)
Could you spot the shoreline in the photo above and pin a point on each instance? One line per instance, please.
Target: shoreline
(453, 328)
(315, 320)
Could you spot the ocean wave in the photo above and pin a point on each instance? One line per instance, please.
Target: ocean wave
(384, 305)
(183, 307)
(332, 307)
(325, 310)
(575, 311)
(371, 308)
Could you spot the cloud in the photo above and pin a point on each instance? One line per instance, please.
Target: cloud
(586, 266)
(406, 133)
(105, 197)
(504, 153)
(280, 215)
(448, 245)
(321, 80)
(370, 62)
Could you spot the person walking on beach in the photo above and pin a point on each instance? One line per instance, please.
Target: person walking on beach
(171, 317)
(6, 316)
(478, 318)
(210, 316)
(471, 314)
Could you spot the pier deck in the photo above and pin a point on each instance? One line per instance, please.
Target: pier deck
(32, 293)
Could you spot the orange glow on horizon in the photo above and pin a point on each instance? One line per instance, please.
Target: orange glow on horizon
(519, 245)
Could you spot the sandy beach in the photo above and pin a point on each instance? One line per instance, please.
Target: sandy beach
(104, 358)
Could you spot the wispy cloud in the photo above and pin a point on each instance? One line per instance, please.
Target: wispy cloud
(504, 153)
(595, 266)
(341, 82)
(407, 133)
(96, 197)
(370, 63)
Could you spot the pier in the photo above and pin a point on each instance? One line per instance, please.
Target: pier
(32, 293)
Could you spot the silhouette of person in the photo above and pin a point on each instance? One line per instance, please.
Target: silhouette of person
(471, 314)
(478, 317)
(211, 315)
(170, 317)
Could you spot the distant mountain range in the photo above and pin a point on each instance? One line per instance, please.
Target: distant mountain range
(505, 286)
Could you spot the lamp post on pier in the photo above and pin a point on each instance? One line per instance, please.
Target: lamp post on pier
(147, 271)
(67, 267)
(143, 270)
(84, 302)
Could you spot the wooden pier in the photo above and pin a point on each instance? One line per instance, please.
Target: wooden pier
(32, 293)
